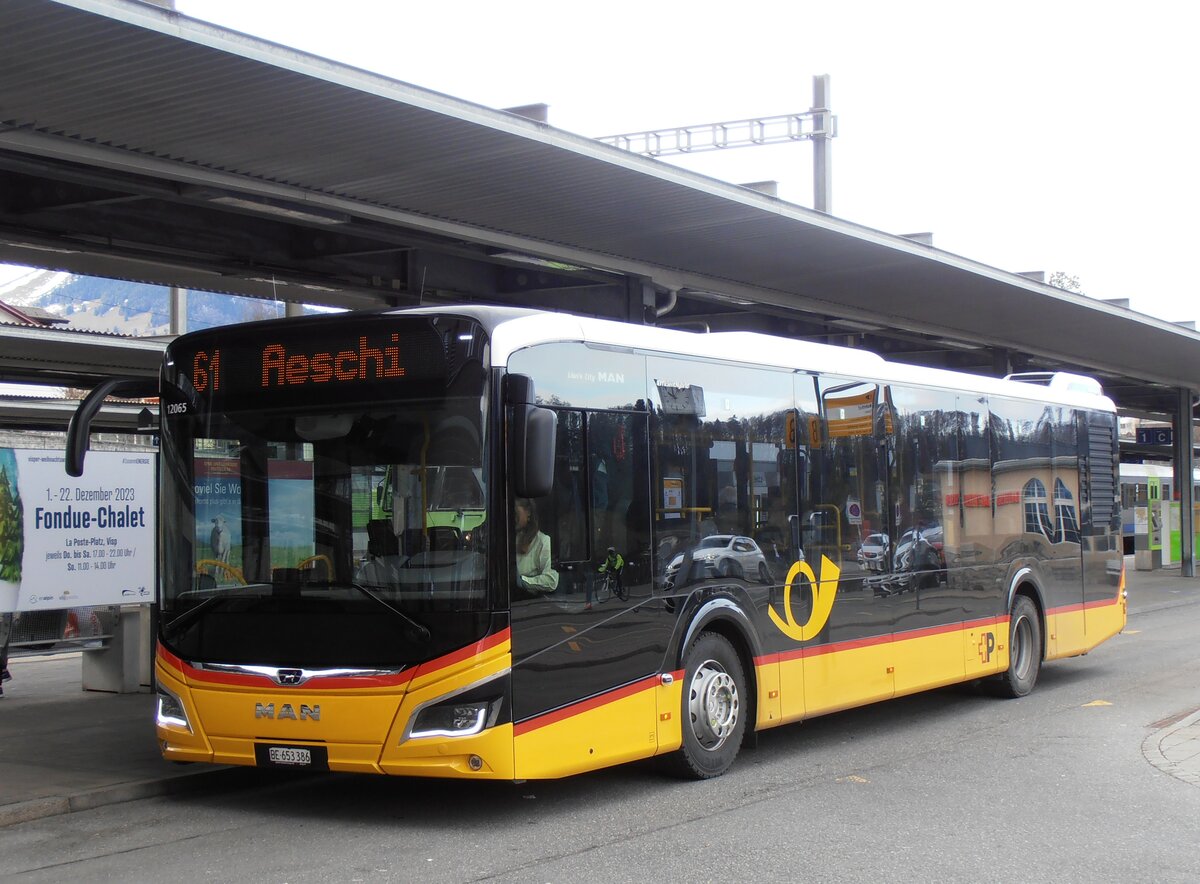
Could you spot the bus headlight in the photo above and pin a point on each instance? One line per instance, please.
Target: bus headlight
(170, 711)
(455, 718)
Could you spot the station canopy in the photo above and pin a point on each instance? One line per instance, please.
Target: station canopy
(137, 143)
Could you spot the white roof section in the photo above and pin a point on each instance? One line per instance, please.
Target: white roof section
(750, 348)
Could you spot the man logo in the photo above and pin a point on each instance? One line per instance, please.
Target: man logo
(267, 710)
(290, 677)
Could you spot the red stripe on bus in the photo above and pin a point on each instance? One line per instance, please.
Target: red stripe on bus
(336, 682)
(851, 644)
(465, 653)
(1084, 606)
(169, 658)
(532, 724)
(833, 647)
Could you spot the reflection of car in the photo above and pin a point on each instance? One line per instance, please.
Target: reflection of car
(920, 549)
(917, 563)
(872, 554)
(727, 555)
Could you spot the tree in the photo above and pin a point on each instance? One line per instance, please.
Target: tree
(1063, 280)
(12, 530)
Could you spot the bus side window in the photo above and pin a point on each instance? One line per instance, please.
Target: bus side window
(564, 518)
(609, 459)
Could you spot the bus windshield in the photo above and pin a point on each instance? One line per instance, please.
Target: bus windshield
(324, 533)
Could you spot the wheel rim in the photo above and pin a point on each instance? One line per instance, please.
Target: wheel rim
(713, 705)
(1022, 647)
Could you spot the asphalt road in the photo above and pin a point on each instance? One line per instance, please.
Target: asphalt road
(947, 786)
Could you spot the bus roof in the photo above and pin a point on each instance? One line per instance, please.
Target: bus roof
(515, 329)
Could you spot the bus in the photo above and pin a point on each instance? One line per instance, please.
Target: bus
(1137, 480)
(663, 552)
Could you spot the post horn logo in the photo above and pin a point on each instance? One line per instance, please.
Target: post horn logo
(823, 591)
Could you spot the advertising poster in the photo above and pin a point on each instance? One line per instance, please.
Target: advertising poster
(1141, 520)
(219, 517)
(291, 493)
(672, 496)
(67, 542)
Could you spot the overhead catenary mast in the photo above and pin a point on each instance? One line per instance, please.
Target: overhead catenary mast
(818, 125)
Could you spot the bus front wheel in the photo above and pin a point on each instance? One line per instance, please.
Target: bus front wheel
(1024, 650)
(714, 709)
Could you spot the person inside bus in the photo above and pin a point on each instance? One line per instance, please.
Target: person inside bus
(534, 572)
(383, 558)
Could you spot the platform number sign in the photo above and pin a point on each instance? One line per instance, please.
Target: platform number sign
(1155, 436)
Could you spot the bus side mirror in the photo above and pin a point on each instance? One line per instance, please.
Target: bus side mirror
(79, 431)
(532, 439)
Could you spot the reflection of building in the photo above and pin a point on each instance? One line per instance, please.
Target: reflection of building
(746, 468)
(1036, 495)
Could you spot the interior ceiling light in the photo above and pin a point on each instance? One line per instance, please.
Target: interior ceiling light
(35, 247)
(534, 261)
(716, 296)
(855, 325)
(957, 345)
(281, 210)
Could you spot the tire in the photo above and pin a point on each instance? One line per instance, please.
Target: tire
(1024, 650)
(714, 708)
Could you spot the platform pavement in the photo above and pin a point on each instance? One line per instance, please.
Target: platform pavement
(65, 750)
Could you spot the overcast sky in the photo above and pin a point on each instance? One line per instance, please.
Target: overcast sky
(1043, 135)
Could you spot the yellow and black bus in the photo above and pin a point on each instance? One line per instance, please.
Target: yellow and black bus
(668, 540)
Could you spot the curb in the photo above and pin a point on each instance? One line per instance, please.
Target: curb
(1162, 606)
(1183, 762)
(40, 808)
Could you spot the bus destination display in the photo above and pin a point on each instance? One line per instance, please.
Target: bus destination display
(229, 372)
(281, 368)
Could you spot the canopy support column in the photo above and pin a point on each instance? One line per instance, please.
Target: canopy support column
(1184, 472)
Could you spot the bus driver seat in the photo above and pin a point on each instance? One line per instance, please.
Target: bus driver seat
(383, 556)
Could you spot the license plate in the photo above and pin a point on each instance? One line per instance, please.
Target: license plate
(284, 755)
(293, 757)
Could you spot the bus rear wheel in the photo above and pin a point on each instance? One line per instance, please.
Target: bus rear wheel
(714, 709)
(1024, 650)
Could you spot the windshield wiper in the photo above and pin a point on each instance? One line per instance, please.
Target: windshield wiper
(193, 612)
(211, 597)
(414, 627)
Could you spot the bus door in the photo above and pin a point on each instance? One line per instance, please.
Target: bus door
(588, 633)
(848, 662)
(926, 494)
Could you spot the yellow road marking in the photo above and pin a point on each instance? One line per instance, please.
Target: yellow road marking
(853, 778)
